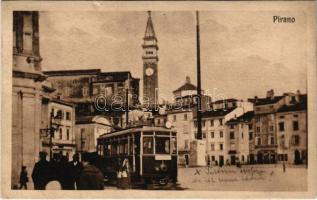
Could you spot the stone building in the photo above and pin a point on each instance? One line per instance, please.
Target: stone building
(291, 123)
(84, 87)
(265, 129)
(61, 116)
(26, 93)
(182, 122)
(186, 97)
(88, 129)
(216, 136)
(240, 138)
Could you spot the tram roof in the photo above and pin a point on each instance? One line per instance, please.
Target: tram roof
(134, 130)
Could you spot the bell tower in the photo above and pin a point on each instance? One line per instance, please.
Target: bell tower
(150, 60)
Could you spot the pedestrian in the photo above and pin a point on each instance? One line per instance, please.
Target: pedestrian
(65, 174)
(186, 160)
(41, 172)
(23, 178)
(125, 175)
(119, 173)
(76, 168)
(284, 167)
(90, 178)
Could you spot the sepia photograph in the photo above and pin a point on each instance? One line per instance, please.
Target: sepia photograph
(156, 99)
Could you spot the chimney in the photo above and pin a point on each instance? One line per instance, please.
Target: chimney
(187, 81)
(297, 96)
(255, 99)
(270, 94)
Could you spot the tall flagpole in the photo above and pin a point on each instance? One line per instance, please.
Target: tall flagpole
(199, 131)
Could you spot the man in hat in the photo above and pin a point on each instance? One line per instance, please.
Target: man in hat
(41, 172)
(90, 178)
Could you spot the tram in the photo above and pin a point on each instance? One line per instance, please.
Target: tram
(151, 151)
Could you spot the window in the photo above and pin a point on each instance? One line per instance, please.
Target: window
(272, 140)
(221, 134)
(203, 123)
(295, 115)
(295, 126)
(158, 121)
(212, 134)
(162, 145)
(281, 126)
(148, 145)
(68, 116)
(212, 147)
(220, 122)
(282, 117)
(221, 146)
(174, 118)
(211, 122)
(250, 126)
(213, 158)
(271, 128)
(242, 135)
(85, 91)
(259, 141)
(185, 117)
(60, 133)
(250, 136)
(258, 129)
(67, 134)
(67, 92)
(186, 144)
(231, 135)
(231, 126)
(296, 140)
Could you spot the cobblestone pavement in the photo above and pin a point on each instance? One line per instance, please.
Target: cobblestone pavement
(246, 178)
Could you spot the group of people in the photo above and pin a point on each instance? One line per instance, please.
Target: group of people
(70, 175)
(84, 175)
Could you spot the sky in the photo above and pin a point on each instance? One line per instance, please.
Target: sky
(243, 53)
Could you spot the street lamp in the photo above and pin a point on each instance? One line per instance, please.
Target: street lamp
(53, 126)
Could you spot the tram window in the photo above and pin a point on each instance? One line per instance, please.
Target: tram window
(148, 145)
(162, 133)
(162, 145)
(147, 133)
(174, 146)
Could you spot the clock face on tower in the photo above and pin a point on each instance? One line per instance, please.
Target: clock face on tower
(149, 71)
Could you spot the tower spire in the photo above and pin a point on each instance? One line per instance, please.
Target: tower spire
(149, 30)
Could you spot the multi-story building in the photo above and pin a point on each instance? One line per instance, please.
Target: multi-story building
(182, 121)
(186, 97)
(88, 129)
(215, 133)
(291, 123)
(239, 138)
(265, 129)
(60, 115)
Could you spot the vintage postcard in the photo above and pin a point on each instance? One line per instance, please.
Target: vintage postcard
(158, 99)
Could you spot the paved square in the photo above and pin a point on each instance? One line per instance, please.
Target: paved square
(246, 178)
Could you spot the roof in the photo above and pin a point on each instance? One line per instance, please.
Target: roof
(94, 119)
(136, 129)
(186, 86)
(217, 113)
(302, 105)
(246, 117)
(59, 101)
(265, 101)
(226, 100)
(149, 30)
(72, 72)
